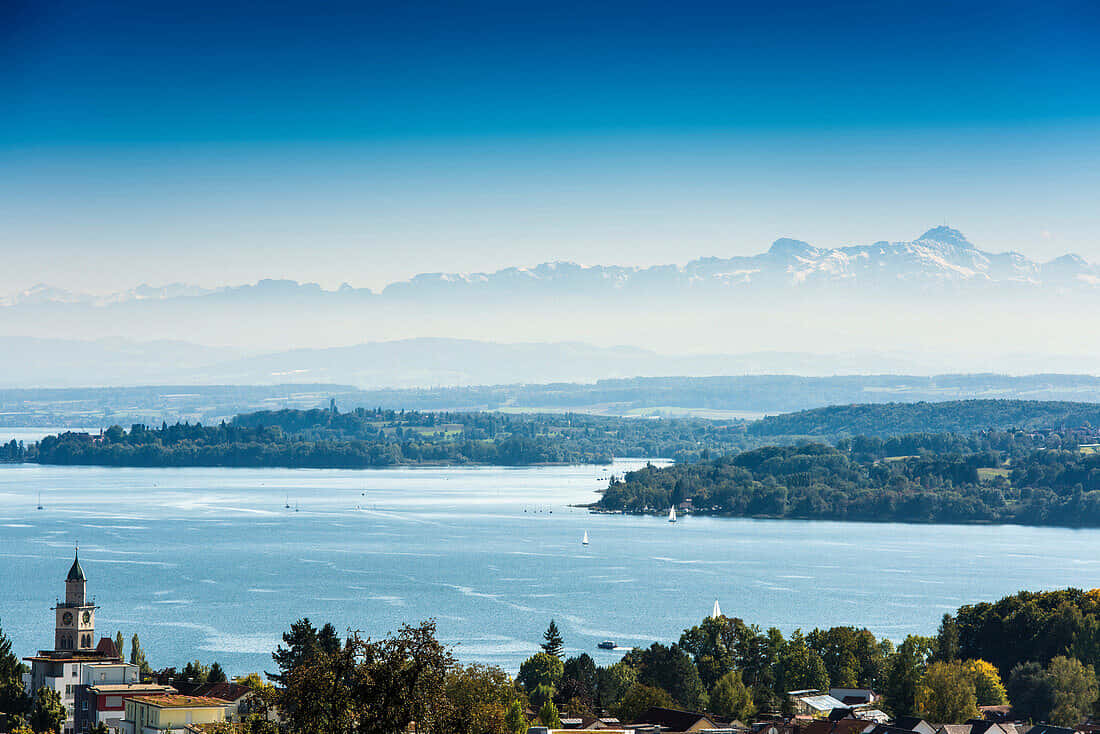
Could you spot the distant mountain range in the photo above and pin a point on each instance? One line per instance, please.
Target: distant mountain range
(940, 256)
(938, 291)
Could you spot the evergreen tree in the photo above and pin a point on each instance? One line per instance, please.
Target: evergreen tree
(216, 674)
(548, 715)
(303, 642)
(137, 655)
(554, 645)
(947, 641)
(119, 644)
(48, 714)
(515, 719)
(13, 700)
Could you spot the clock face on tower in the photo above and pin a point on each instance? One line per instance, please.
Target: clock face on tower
(87, 617)
(67, 618)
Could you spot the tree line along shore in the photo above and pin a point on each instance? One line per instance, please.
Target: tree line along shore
(1034, 654)
(992, 461)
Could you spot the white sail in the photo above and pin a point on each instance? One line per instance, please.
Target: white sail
(672, 514)
(717, 610)
(585, 541)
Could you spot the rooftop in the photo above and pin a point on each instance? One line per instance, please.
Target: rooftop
(134, 688)
(76, 573)
(172, 701)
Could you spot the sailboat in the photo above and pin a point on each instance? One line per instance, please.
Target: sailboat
(717, 613)
(584, 541)
(288, 503)
(672, 514)
(40, 500)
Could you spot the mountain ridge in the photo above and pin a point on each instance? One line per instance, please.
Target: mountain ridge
(941, 255)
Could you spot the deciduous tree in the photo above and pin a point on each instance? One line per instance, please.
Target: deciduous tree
(945, 694)
(639, 699)
(540, 669)
(730, 697)
(1075, 691)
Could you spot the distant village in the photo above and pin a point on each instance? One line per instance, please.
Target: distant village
(101, 693)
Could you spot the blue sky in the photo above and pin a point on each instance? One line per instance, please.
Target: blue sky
(224, 142)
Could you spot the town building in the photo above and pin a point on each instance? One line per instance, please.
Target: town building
(99, 698)
(237, 697)
(61, 669)
(170, 714)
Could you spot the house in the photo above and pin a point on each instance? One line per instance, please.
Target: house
(677, 721)
(837, 726)
(1049, 729)
(984, 726)
(813, 703)
(888, 729)
(106, 703)
(999, 713)
(235, 694)
(915, 724)
(853, 696)
(170, 714)
(111, 679)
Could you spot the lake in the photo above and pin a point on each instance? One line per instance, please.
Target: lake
(209, 563)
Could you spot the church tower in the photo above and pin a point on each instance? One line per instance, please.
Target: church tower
(75, 627)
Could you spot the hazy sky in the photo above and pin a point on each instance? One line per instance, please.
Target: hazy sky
(224, 142)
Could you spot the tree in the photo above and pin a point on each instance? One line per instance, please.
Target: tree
(799, 667)
(13, 698)
(216, 674)
(852, 657)
(548, 715)
(318, 694)
(947, 640)
(730, 698)
(1075, 691)
(1031, 692)
(137, 655)
(639, 699)
(614, 681)
(582, 670)
(401, 679)
(672, 669)
(254, 682)
(987, 683)
(515, 719)
(193, 672)
(554, 644)
(540, 669)
(100, 728)
(480, 698)
(48, 713)
(303, 642)
(370, 687)
(119, 643)
(946, 694)
(908, 666)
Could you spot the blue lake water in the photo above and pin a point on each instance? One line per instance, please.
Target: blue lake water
(208, 563)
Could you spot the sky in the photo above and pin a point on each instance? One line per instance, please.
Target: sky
(223, 142)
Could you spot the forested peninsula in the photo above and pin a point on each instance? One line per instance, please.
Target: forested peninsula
(377, 438)
(1031, 478)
